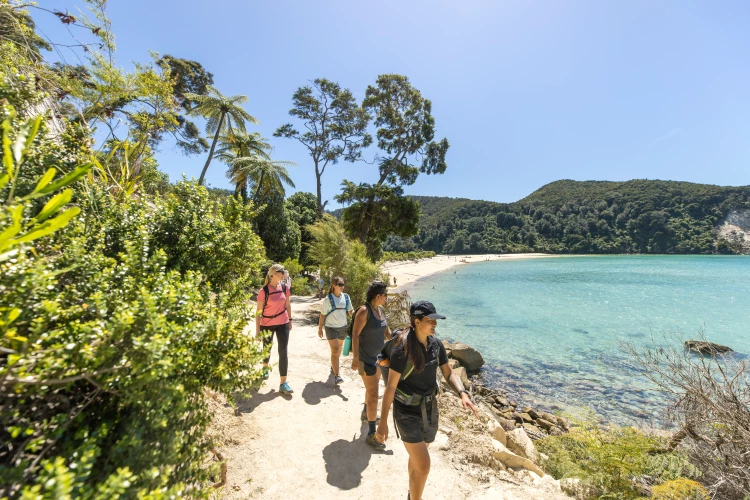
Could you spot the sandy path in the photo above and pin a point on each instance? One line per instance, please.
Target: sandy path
(311, 444)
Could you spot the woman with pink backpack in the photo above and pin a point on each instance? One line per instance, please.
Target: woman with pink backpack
(275, 318)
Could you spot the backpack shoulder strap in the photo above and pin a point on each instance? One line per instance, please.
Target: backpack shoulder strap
(265, 299)
(333, 304)
(348, 302)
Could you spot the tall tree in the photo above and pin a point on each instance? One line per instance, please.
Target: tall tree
(223, 115)
(187, 77)
(303, 208)
(406, 131)
(336, 126)
(237, 151)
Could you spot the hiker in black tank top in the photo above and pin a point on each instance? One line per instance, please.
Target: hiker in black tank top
(369, 333)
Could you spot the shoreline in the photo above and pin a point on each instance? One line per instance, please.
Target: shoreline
(407, 272)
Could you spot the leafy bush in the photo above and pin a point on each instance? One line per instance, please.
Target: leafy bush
(301, 286)
(612, 461)
(402, 256)
(110, 332)
(337, 255)
(711, 410)
(680, 489)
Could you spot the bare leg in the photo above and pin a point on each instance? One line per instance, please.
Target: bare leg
(336, 346)
(371, 394)
(419, 468)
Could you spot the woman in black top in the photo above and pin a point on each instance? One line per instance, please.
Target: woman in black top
(369, 333)
(412, 387)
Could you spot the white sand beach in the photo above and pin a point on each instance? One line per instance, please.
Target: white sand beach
(407, 272)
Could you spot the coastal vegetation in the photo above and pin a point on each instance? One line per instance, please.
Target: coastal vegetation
(126, 297)
(592, 217)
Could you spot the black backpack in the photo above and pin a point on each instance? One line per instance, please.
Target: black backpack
(265, 303)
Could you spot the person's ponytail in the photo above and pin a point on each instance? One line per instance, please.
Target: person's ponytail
(412, 348)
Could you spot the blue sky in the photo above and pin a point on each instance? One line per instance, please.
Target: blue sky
(527, 92)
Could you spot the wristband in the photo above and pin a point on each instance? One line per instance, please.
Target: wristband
(464, 391)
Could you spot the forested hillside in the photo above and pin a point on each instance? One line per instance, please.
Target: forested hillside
(639, 216)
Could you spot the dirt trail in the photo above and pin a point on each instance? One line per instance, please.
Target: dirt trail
(311, 444)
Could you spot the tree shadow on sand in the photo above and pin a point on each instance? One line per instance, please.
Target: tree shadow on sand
(346, 460)
(314, 392)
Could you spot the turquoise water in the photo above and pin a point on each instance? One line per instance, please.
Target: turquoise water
(550, 328)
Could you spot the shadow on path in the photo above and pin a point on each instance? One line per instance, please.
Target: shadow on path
(246, 403)
(346, 460)
(314, 392)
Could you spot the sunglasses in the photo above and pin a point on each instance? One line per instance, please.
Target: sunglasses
(340, 284)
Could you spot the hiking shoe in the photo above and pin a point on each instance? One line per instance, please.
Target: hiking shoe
(285, 388)
(374, 443)
(339, 380)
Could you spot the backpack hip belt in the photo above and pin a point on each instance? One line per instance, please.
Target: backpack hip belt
(418, 400)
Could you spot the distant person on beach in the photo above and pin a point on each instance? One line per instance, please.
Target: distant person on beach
(275, 318)
(412, 388)
(368, 336)
(333, 318)
(394, 281)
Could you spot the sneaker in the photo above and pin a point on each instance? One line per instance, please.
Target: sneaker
(285, 388)
(374, 443)
(339, 380)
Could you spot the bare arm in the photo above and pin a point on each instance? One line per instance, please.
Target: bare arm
(388, 394)
(320, 325)
(259, 317)
(455, 381)
(360, 320)
(289, 311)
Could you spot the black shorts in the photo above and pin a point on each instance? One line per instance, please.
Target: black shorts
(411, 426)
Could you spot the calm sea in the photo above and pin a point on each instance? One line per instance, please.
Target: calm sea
(550, 329)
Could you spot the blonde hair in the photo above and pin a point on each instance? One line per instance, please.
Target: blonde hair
(271, 271)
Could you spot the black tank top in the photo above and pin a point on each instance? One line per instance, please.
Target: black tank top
(372, 337)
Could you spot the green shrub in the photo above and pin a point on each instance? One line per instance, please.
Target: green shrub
(301, 286)
(402, 256)
(110, 333)
(105, 370)
(680, 489)
(611, 461)
(337, 255)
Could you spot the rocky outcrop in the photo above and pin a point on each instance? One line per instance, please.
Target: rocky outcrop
(469, 357)
(707, 348)
(735, 228)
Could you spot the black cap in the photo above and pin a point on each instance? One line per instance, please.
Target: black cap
(424, 309)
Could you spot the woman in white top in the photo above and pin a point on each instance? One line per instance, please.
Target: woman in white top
(336, 307)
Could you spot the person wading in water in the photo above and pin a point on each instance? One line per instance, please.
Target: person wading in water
(368, 336)
(336, 307)
(412, 388)
(276, 318)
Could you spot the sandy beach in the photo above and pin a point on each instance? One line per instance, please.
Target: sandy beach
(407, 272)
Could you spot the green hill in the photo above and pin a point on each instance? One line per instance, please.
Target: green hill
(638, 216)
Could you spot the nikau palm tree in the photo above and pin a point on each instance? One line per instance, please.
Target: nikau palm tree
(223, 115)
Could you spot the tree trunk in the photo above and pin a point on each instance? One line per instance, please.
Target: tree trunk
(257, 190)
(320, 201)
(211, 153)
(243, 191)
